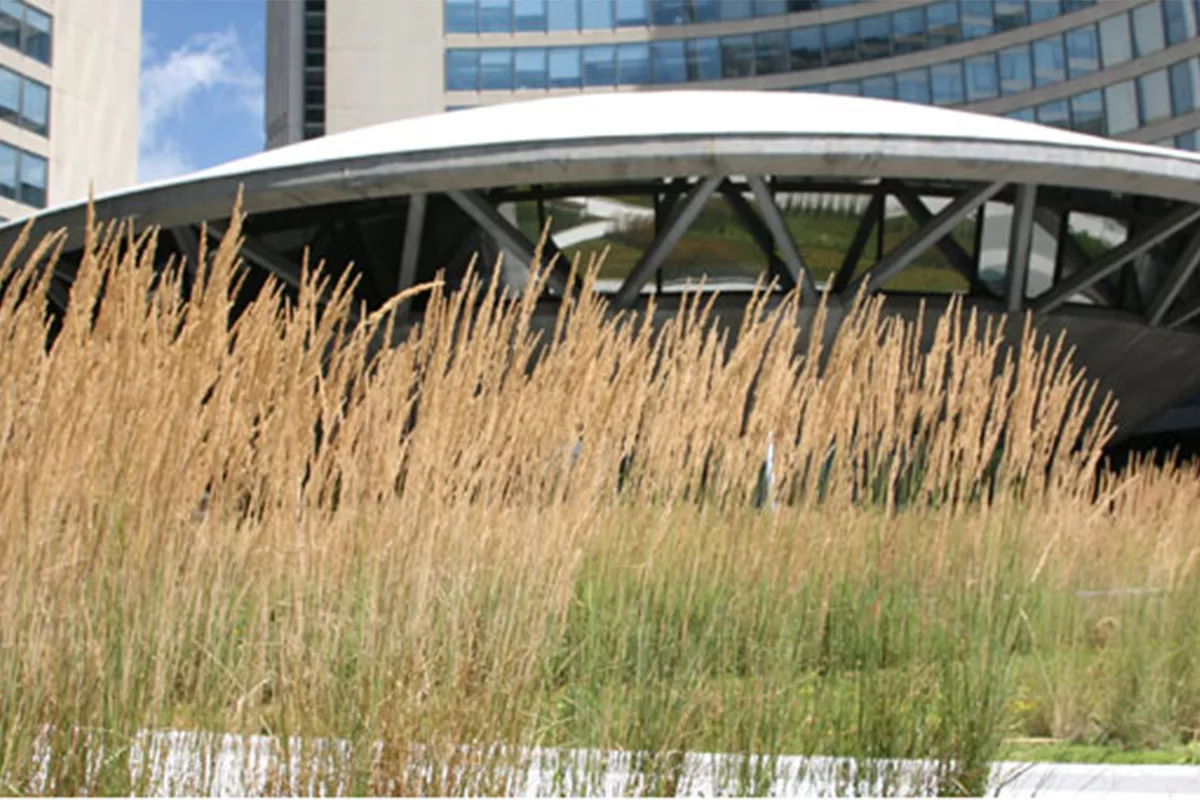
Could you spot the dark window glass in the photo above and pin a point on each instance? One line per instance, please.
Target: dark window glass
(1087, 113)
(1116, 44)
(11, 12)
(35, 107)
(1083, 51)
(770, 8)
(883, 86)
(737, 9)
(982, 80)
(562, 15)
(805, 46)
(977, 19)
(633, 64)
(565, 70)
(946, 83)
(737, 56)
(599, 65)
(8, 171)
(839, 43)
(704, 59)
(1148, 34)
(1154, 96)
(1054, 113)
(1179, 18)
(1011, 14)
(706, 10)
(913, 86)
(1184, 86)
(1076, 5)
(1042, 10)
(944, 27)
(668, 12)
(1187, 141)
(460, 16)
(796, 6)
(668, 61)
(530, 15)
(531, 68)
(1016, 75)
(908, 30)
(495, 16)
(10, 95)
(849, 88)
(597, 14)
(1023, 114)
(771, 53)
(1048, 61)
(33, 180)
(875, 36)
(495, 69)
(631, 13)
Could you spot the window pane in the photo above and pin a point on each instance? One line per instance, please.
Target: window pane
(982, 81)
(1185, 80)
(1023, 114)
(1048, 61)
(947, 83)
(880, 86)
(1042, 10)
(37, 34)
(530, 15)
(495, 69)
(1083, 52)
(875, 36)
(1154, 96)
(10, 95)
(839, 43)
(531, 68)
(633, 64)
(1179, 17)
(460, 16)
(1016, 75)
(35, 106)
(908, 30)
(1116, 46)
(1054, 113)
(737, 56)
(737, 9)
(1087, 113)
(495, 16)
(706, 10)
(1011, 14)
(565, 70)
(1120, 105)
(1148, 30)
(33, 180)
(669, 61)
(10, 23)
(769, 8)
(597, 14)
(805, 44)
(943, 24)
(977, 18)
(704, 59)
(8, 171)
(562, 15)
(771, 51)
(1187, 141)
(913, 86)
(631, 13)
(848, 88)
(668, 12)
(599, 65)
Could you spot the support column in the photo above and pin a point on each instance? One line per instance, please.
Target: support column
(1020, 245)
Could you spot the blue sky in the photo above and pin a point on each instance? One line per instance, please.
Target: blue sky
(202, 83)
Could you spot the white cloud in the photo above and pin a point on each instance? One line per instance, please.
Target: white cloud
(207, 66)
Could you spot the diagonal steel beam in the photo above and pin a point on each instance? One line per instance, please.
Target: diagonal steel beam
(1116, 258)
(1186, 314)
(758, 230)
(414, 229)
(1073, 255)
(1189, 259)
(871, 216)
(505, 234)
(924, 236)
(189, 246)
(262, 257)
(1020, 245)
(682, 216)
(963, 263)
(783, 240)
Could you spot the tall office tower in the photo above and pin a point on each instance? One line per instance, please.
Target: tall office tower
(1121, 68)
(68, 100)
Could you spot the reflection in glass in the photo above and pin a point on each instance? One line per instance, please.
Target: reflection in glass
(1054, 113)
(8, 171)
(1087, 113)
(597, 14)
(737, 9)
(462, 70)
(563, 15)
(1016, 74)
(565, 69)
(1116, 44)
(35, 106)
(1048, 61)
(1011, 14)
(883, 86)
(704, 59)
(706, 10)
(737, 56)
(1120, 105)
(839, 42)
(977, 19)
(1187, 141)
(530, 68)
(805, 45)
(946, 83)
(1042, 10)
(913, 86)
(771, 53)
(982, 81)
(1185, 80)
(668, 12)
(33, 180)
(460, 16)
(1023, 114)
(944, 28)
(495, 69)
(1179, 18)
(1083, 51)
(630, 13)
(599, 65)
(908, 30)
(1154, 96)
(633, 64)
(529, 15)
(875, 36)
(849, 88)
(1148, 30)
(495, 16)
(10, 95)
(668, 61)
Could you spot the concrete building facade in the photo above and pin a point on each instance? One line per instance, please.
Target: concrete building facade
(68, 100)
(1127, 69)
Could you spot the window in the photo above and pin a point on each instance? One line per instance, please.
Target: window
(11, 12)
(460, 16)
(1154, 96)
(1054, 113)
(531, 68)
(600, 65)
(848, 88)
(668, 12)
(736, 9)
(562, 15)
(1179, 18)
(1016, 76)
(908, 31)
(944, 28)
(977, 19)
(913, 86)
(8, 171)
(495, 16)
(597, 15)
(35, 106)
(982, 80)
(633, 64)
(462, 70)
(839, 42)
(769, 8)
(706, 10)
(495, 70)
(1042, 10)
(1185, 82)
(631, 13)
(36, 35)
(1148, 30)
(946, 82)
(10, 96)
(805, 45)
(704, 59)
(565, 71)
(1048, 61)
(1116, 45)
(668, 62)
(771, 53)
(1023, 114)
(1120, 105)
(737, 56)
(529, 15)
(883, 86)
(1187, 141)
(32, 170)
(1011, 14)
(1083, 51)
(1087, 113)
(875, 36)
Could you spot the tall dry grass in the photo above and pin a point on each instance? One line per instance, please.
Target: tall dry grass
(496, 537)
